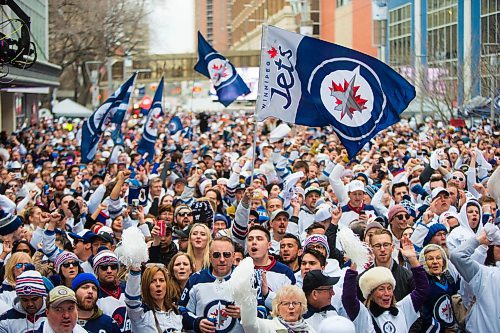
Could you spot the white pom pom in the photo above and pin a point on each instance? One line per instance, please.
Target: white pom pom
(354, 249)
(241, 282)
(133, 251)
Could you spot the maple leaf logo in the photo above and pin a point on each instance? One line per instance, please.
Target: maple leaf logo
(346, 97)
(272, 52)
(217, 68)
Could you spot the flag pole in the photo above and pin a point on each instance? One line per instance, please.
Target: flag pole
(255, 134)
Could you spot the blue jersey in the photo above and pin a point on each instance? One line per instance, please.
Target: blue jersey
(101, 324)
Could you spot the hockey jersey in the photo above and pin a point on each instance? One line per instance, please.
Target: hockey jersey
(115, 308)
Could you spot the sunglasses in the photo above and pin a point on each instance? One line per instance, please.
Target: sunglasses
(22, 264)
(68, 264)
(226, 255)
(105, 267)
(252, 220)
(403, 216)
(185, 214)
(461, 179)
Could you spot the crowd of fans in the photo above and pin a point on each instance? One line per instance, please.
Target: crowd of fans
(422, 197)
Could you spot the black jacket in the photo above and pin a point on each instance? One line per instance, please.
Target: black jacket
(159, 255)
(404, 281)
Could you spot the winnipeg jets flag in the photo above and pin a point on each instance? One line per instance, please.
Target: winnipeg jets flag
(227, 82)
(310, 82)
(150, 133)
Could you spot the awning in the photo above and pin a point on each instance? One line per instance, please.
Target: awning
(41, 74)
(69, 108)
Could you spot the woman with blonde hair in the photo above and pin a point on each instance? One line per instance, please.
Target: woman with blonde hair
(199, 245)
(148, 303)
(180, 269)
(289, 306)
(14, 267)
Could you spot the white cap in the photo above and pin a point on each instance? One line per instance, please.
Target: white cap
(435, 192)
(279, 133)
(355, 185)
(323, 213)
(337, 324)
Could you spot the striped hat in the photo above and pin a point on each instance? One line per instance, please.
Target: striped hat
(62, 258)
(9, 223)
(321, 239)
(104, 257)
(30, 283)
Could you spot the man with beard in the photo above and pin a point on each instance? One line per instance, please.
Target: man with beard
(111, 292)
(290, 251)
(279, 223)
(183, 216)
(90, 317)
(28, 311)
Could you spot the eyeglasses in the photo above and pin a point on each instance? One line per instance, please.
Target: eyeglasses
(379, 246)
(68, 264)
(22, 264)
(155, 264)
(315, 246)
(216, 255)
(292, 303)
(328, 288)
(105, 267)
(403, 217)
(252, 220)
(461, 179)
(185, 214)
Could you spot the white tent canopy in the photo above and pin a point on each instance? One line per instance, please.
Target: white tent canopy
(69, 108)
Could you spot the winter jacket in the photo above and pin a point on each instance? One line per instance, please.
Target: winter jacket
(159, 255)
(16, 320)
(115, 308)
(464, 232)
(99, 323)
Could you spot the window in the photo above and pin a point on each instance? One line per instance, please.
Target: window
(490, 42)
(399, 36)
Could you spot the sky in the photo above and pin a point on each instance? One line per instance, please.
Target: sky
(171, 28)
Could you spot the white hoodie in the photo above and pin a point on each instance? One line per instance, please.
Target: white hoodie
(464, 232)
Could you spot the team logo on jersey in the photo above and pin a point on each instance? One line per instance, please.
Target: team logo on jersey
(215, 311)
(389, 327)
(443, 309)
(346, 88)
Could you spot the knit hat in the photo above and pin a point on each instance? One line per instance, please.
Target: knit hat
(82, 279)
(104, 257)
(204, 185)
(318, 239)
(396, 209)
(9, 223)
(371, 190)
(30, 283)
(181, 207)
(434, 228)
(373, 225)
(220, 217)
(373, 278)
(62, 258)
(362, 175)
(410, 207)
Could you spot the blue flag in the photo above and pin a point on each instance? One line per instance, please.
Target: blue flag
(310, 82)
(150, 132)
(175, 125)
(119, 115)
(97, 123)
(187, 132)
(227, 82)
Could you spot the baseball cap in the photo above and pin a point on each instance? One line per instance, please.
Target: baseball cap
(104, 233)
(356, 185)
(315, 279)
(85, 235)
(60, 294)
(278, 212)
(312, 189)
(438, 190)
(323, 213)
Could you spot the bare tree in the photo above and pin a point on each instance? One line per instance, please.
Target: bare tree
(92, 30)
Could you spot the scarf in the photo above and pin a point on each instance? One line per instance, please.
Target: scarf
(377, 310)
(297, 327)
(356, 209)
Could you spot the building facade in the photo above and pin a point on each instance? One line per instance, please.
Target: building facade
(212, 19)
(21, 89)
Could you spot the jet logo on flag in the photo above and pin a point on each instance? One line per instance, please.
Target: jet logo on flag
(310, 82)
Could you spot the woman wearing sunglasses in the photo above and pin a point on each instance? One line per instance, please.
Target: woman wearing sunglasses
(180, 269)
(14, 267)
(148, 300)
(67, 267)
(198, 246)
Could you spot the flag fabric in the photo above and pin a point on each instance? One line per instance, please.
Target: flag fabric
(187, 132)
(97, 123)
(175, 125)
(150, 132)
(119, 115)
(227, 82)
(310, 82)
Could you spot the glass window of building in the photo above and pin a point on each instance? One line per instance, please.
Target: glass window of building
(400, 36)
